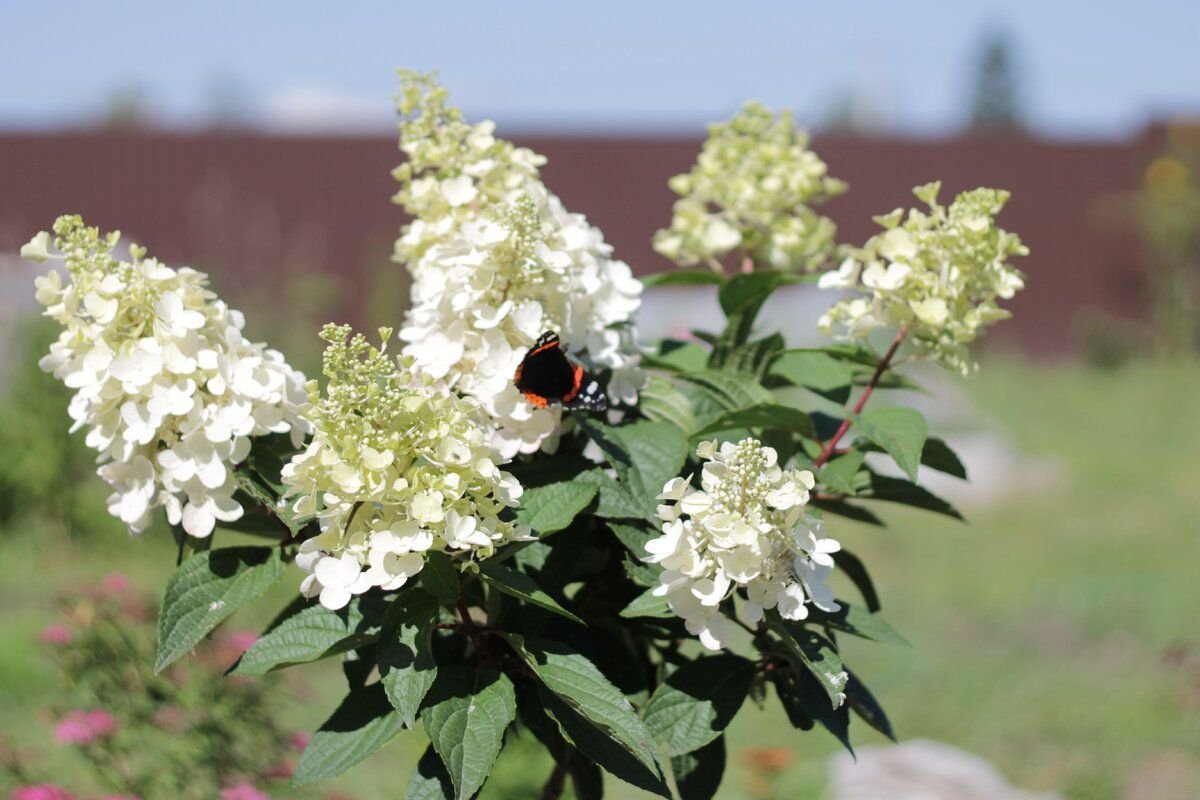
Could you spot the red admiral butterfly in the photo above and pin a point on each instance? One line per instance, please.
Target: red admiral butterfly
(547, 376)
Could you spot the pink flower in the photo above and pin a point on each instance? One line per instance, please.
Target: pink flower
(57, 635)
(243, 791)
(115, 583)
(299, 741)
(41, 791)
(85, 727)
(120, 797)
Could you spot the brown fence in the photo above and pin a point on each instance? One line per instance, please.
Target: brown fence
(250, 208)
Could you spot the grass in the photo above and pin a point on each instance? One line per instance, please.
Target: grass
(1054, 635)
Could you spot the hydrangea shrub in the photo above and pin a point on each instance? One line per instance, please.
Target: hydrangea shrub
(615, 585)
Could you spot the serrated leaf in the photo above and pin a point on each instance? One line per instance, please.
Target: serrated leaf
(261, 492)
(684, 277)
(600, 746)
(614, 500)
(439, 577)
(550, 508)
(898, 490)
(805, 700)
(864, 704)
(633, 537)
(812, 651)
(521, 586)
(768, 416)
(660, 401)
(407, 667)
(647, 604)
(815, 370)
(581, 685)
(697, 702)
(741, 298)
(645, 455)
(206, 589)
(731, 391)
(363, 723)
(465, 718)
(678, 356)
(857, 621)
(429, 780)
(853, 568)
(847, 510)
(937, 455)
(313, 633)
(698, 775)
(899, 431)
(838, 474)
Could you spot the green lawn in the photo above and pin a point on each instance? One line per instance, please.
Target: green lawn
(1054, 635)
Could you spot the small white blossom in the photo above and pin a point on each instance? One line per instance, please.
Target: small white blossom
(496, 261)
(169, 390)
(395, 469)
(745, 528)
(939, 273)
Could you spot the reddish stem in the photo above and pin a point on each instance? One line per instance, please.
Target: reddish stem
(831, 445)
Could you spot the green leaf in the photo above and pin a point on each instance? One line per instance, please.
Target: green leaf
(813, 651)
(853, 568)
(898, 490)
(838, 474)
(755, 356)
(742, 297)
(731, 391)
(521, 586)
(899, 431)
(550, 508)
(466, 715)
(313, 633)
(586, 777)
(660, 401)
(864, 704)
(698, 775)
(615, 501)
(429, 780)
(260, 491)
(645, 455)
(407, 666)
(697, 702)
(678, 356)
(647, 604)
(815, 370)
(936, 454)
(363, 723)
(847, 510)
(684, 277)
(857, 621)
(805, 700)
(206, 589)
(439, 577)
(633, 537)
(599, 745)
(581, 685)
(765, 415)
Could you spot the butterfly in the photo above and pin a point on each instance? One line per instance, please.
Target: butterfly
(547, 376)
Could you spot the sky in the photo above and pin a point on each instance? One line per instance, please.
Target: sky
(1085, 69)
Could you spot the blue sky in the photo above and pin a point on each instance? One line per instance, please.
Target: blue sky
(1097, 68)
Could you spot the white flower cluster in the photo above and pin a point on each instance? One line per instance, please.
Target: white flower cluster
(938, 273)
(496, 261)
(395, 469)
(750, 190)
(166, 384)
(745, 528)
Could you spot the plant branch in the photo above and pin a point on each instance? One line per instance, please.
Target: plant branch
(880, 368)
(557, 781)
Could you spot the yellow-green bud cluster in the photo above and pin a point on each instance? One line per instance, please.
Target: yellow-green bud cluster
(395, 469)
(750, 191)
(939, 272)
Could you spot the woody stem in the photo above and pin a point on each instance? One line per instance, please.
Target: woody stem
(880, 368)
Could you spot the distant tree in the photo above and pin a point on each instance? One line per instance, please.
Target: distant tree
(996, 101)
